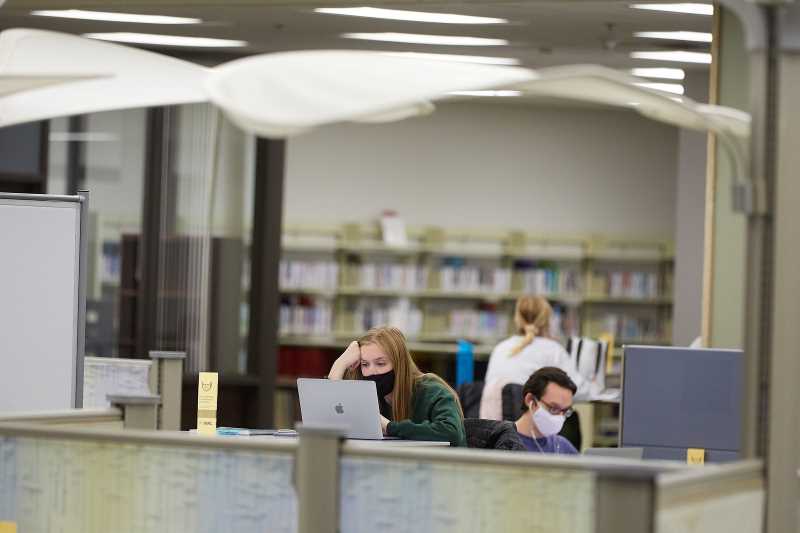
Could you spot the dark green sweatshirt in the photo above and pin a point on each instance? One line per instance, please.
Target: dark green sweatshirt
(434, 416)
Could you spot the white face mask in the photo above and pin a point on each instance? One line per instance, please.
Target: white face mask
(547, 423)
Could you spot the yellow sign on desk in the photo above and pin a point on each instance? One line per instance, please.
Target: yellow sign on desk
(695, 456)
(207, 403)
(8, 527)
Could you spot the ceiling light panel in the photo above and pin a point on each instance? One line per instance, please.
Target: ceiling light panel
(674, 88)
(114, 17)
(458, 58)
(688, 8)
(411, 16)
(660, 73)
(690, 36)
(677, 55)
(165, 40)
(497, 93)
(417, 38)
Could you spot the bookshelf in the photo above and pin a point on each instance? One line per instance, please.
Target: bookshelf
(337, 281)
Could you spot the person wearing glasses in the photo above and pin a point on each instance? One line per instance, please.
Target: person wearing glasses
(546, 403)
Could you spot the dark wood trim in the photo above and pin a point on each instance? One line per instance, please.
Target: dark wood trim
(157, 154)
(264, 260)
(44, 153)
(32, 183)
(76, 155)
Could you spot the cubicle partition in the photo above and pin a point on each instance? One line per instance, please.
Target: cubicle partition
(55, 479)
(68, 480)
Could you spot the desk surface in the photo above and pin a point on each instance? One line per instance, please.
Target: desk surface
(357, 443)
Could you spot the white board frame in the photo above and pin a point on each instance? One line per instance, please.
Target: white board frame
(79, 301)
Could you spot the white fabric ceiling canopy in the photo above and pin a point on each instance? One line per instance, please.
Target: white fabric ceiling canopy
(287, 93)
(15, 83)
(101, 76)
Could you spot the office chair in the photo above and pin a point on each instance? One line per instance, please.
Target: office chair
(492, 435)
(469, 394)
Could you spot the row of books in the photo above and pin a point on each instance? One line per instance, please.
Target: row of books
(478, 324)
(111, 262)
(303, 317)
(317, 275)
(388, 276)
(629, 328)
(400, 314)
(470, 278)
(627, 284)
(549, 281)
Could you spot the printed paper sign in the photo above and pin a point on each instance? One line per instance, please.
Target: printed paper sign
(207, 403)
(695, 456)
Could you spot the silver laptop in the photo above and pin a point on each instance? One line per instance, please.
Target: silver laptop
(631, 452)
(349, 404)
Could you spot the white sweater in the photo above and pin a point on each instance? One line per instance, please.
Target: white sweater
(505, 368)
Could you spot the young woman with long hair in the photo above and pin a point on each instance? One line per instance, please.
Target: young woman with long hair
(413, 405)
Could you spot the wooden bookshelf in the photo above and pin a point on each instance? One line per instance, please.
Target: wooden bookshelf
(597, 261)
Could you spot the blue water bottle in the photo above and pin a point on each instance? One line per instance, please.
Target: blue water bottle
(465, 363)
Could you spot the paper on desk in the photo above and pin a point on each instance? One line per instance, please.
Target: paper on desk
(606, 395)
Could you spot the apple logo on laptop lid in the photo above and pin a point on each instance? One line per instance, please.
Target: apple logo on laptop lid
(339, 408)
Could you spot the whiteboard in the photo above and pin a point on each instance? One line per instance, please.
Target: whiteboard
(41, 314)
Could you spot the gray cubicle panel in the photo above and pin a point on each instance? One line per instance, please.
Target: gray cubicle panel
(674, 399)
(42, 301)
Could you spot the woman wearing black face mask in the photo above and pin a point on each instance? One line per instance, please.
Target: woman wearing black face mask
(413, 405)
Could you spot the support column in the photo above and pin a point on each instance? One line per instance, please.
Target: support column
(783, 439)
(265, 254)
(156, 167)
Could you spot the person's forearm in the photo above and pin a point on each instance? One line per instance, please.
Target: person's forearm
(337, 370)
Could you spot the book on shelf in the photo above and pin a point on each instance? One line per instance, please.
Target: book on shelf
(314, 275)
(546, 278)
(626, 284)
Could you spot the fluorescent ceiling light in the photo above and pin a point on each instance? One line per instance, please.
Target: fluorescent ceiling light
(417, 38)
(483, 60)
(691, 36)
(412, 16)
(486, 93)
(662, 73)
(114, 17)
(690, 8)
(165, 40)
(681, 56)
(674, 88)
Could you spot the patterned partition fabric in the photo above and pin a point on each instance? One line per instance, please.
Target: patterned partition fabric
(112, 375)
(397, 496)
(68, 486)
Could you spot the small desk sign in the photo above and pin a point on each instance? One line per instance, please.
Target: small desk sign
(695, 456)
(207, 403)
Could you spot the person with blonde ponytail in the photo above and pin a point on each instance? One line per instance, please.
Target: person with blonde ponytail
(516, 358)
(413, 405)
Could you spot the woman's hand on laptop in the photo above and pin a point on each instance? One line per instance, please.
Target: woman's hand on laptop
(384, 424)
(350, 359)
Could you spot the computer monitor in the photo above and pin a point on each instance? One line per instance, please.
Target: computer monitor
(674, 399)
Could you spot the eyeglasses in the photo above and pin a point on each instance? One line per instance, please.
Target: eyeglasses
(553, 410)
